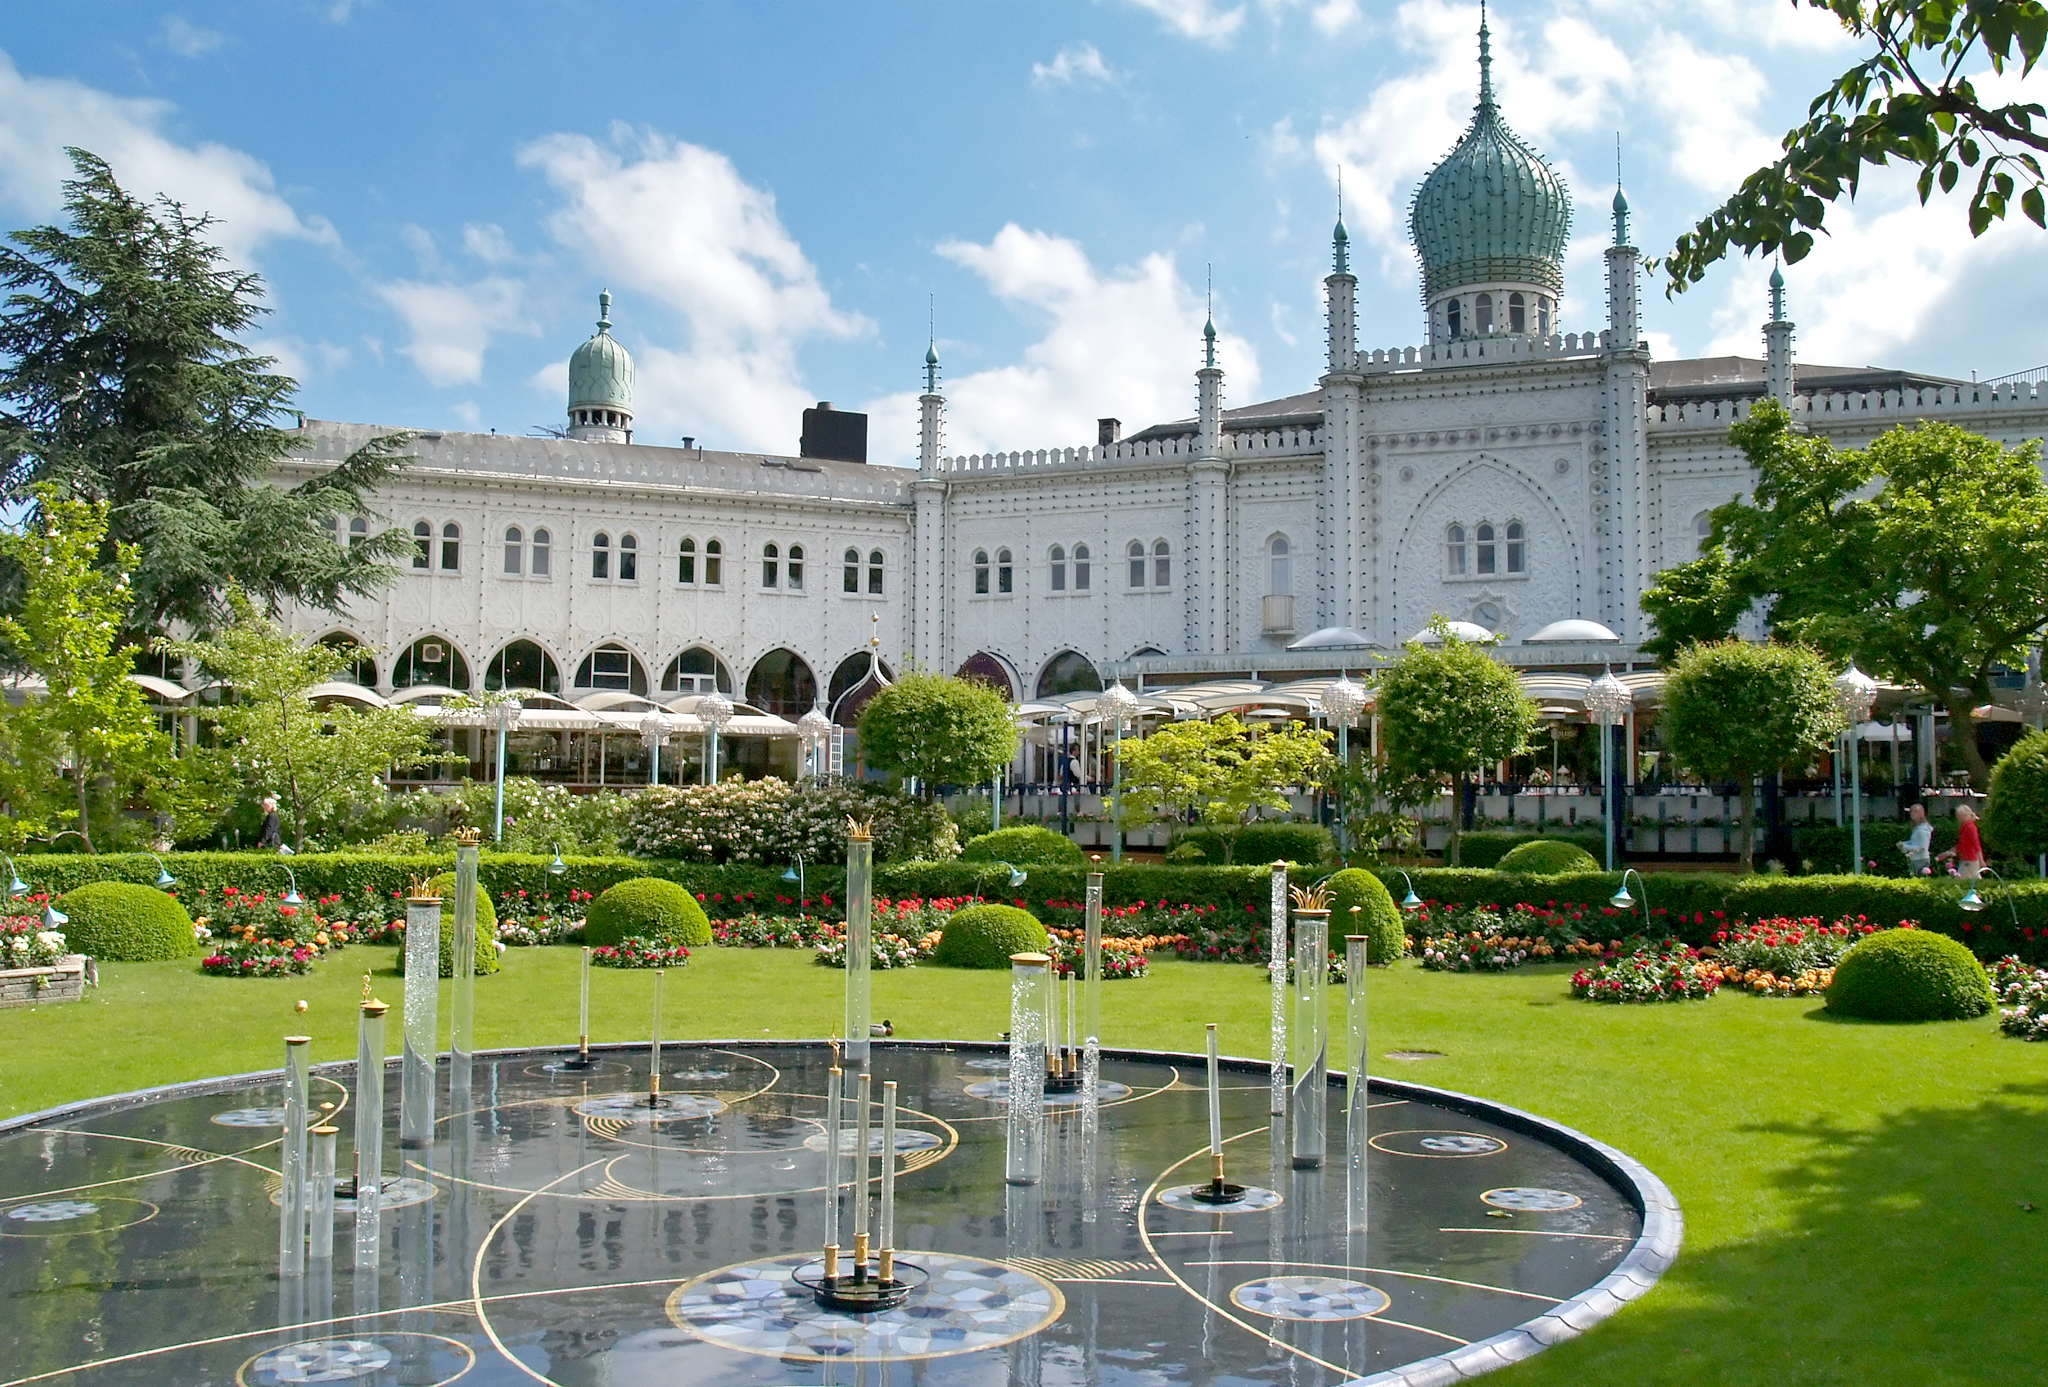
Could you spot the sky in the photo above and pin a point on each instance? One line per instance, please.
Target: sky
(788, 200)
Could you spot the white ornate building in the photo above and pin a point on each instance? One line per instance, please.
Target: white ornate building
(1502, 472)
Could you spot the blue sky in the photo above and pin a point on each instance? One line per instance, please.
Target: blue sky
(776, 193)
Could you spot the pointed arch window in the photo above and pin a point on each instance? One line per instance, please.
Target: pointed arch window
(714, 563)
(875, 566)
(515, 550)
(771, 565)
(849, 575)
(1135, 553)
(539, 565)
(1454, 551)
(1058, 564)
(601, 556)
(686, 561)
(1485, 550)
(1080, 568)
(422, 545)
(1517, 548)
(981, 573)
(1280, 565)
(1005, 582)
(629, 559)
(1162, 564)
(451, 547)
(796, 568)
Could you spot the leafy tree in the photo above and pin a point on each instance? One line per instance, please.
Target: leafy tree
(92, 715)
(1936, 580)
(2016, 816)
(318, 761)
(1446, 710)
(1736, 710)
(1910, 101)
(1221, 770)
(121, 381)
(941, 729)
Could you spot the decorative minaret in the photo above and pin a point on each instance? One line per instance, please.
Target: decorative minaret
(1622, 477)
(1208, 491)
(601, 385)
(928, 547)
(1778, 344)
(1342, 557)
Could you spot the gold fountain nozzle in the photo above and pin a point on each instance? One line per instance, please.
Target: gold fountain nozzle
(1310, 897)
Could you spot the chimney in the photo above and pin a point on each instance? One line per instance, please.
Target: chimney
(689, 441)
(1108, 431)
(834, 435)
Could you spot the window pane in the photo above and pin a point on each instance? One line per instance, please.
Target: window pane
(1162, 571)
(875, 573)
(514, 550)
(629, 559)
(601, 555)
(422, 541)
(714, 563)
(1080, 568)
(686, 561)
(358, 532)
(796, 566)
(451, 547)
(540, 554)
(1003, 571)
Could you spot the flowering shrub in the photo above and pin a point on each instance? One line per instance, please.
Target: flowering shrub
(24, 943)
(526, 920)
(754, 930)
(634, 952)
(1232, 944)
(254, 926)
(771, 820)
(1136, 920)
(1676, 975)
(252, 956)
(1121, 958)
(1783, 957)
(2022, 998)
(885, 950)
(1474, 952)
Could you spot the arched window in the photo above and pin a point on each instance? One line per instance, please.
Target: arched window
(451, 547)
(1454, 547)
(1067, 672)
(1518, 314)
(523, 665)
(1543, 315)
(796, 567)
(1485, 551)
(358, 532)
(1518, 548)
(782, 684)
(430, 660)
(539, 567)
(686, 561)
(1702, 530)
(601, 555)
(361, 668)
(714, 563)
(612, 666)
(696, 671)
(1457, 318)
(771, 565)
(874, 573)
(515, 549)
(629, 559)
(1162, 564)
(1004, 582)
(1080, 568)
(849, 571)
(422, 545)
(1280, 565)
(1058, 559)
(981, 573)
(332, 524)
(1135, 552)
(1482, 314)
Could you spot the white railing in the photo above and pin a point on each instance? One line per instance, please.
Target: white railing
(1849, 407)
(1250, 443)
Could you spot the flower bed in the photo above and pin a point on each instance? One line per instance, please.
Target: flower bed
(528, 920)
(756, 931)
(1121, 958)
(885, 949)
(1136, 920)
(24, 943)
(2022, 998)
(1783, 957)
(255, 957)
(1678, 974)
(634, 952)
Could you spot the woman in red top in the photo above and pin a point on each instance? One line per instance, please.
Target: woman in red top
(1969, 849)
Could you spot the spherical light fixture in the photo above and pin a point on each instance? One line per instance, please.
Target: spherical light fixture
(1608, 700)
(1343, 702)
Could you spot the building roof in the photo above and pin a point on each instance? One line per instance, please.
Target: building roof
(1742, 377)
(1295, 411)
(601, 371)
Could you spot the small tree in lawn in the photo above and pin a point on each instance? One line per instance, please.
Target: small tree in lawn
(318, 761)
(2016, 816)
(1221, 770)
(1735, 710)
(1447, 709)
(941, 729)
(92, 716)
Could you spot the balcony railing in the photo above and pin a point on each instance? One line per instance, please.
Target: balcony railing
(1277, 613)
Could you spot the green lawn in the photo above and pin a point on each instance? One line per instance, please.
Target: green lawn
(1854, 1194)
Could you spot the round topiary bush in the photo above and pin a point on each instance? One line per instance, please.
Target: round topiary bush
(649, 908)
(1546, 857)
(1378, 919)
(984, 936)
(486, 928)
(125, 923)
(1028, 843)
(1909, 975)
(2016, 818)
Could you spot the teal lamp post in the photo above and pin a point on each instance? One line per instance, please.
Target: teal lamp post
(795, 873)
(15, 885)
(1343, 702)
(1117, 706)
(164, 880)
(1855, 693)
(1608, 702)
(656, 728)
(504, 717)
(714, 710)
(1622, 900)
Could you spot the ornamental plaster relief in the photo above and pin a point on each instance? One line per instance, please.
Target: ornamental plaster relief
(1497, 490)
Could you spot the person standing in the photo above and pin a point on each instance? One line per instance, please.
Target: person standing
(1919, 844)
(273, 827)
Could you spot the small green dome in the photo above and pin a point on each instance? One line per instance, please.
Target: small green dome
(601, 371)
(1493, 211)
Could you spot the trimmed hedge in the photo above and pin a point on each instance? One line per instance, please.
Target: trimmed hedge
(1548, 857)
(1486, 847)
(1027, 843)
(647, 908)
(1827, 845)
(1909, 975)
(1379, 919)
(1260, 845)
(984, 936)
(126, 923)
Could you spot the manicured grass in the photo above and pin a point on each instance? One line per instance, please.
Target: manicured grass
(1853, 1193)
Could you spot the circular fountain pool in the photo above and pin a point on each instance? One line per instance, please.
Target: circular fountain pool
(557, 1234)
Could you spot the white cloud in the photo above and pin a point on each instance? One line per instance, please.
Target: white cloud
(1335, 16)
(1200, 20)
(488, 243)
(1124, 343)
(676, 224)
(1769, 23)
(39, 116)
(1707, 101)
(300, 359)
(1081, 63)
(452, 324)
(187, 39)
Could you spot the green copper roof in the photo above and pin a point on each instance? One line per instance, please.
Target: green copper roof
(601, 371)
(1493, 210)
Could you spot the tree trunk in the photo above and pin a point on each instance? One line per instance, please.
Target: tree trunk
(1451, 850)
(78, 775)
(1745, 839)
(1962, 731)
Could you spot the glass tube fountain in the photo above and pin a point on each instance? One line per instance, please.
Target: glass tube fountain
(1276, 972)
(834, 1083)
(462, 992)
(422, 1018)
(1062, 1069)
(654, 1047)
(1024, 1162)
(1355, 1123)
(321, 1207)
(1217, 1191)
(887, 1283)
(291, 1214)
(1091, 993)
(369, 1180)
(860, 873)
(1311, 1029)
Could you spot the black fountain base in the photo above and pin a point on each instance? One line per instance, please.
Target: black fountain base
(860, 1293)
(1217, 1192)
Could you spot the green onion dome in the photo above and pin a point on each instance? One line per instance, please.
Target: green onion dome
(1493, 211)
(601, 371)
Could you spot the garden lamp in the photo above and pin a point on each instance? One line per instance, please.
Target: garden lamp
(655, 729)
(1117, 706)
(285, 850)
(294, 898)
(1608, 703)
(1017, 877)
(54, 918)
(795, 873)
(1855, 692)
(1973, 902)
(1411, 901)
(15, 885)
(816, 730)
(164, 880)
(1342, 702)
(558, 866)
(714, 710)
(1622, 900)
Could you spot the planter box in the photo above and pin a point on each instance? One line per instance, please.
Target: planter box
(62, 981)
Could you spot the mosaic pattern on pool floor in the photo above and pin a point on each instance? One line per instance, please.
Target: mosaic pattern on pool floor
(998, 1091)
(634, 1107)
(1309, 1298)
(1256, 1200)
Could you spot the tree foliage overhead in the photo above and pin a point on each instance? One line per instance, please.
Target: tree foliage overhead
(1448, 709)
(123, 382)
(941, 729)
(1913, 100)
(1221, 770)
(1736, 710)
(1936, 580)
